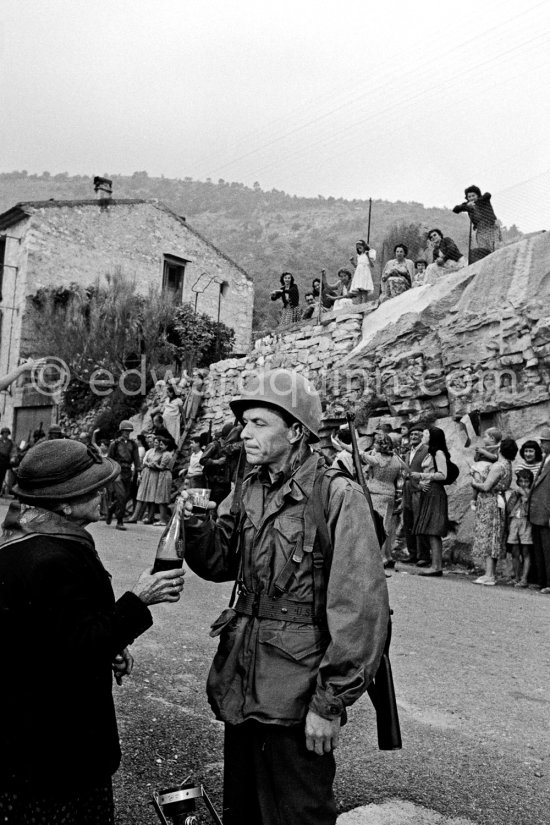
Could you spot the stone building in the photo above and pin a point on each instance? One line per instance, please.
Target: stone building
(56, 243)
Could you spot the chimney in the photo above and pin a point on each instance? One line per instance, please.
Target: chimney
(103, 187)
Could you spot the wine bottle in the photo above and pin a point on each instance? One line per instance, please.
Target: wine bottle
(171, 547)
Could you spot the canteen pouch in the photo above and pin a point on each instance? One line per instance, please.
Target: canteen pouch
(225, 618)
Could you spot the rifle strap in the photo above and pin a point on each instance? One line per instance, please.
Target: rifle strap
(239, 477)
(304, 546)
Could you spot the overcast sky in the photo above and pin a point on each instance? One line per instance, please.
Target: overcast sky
(393, 99)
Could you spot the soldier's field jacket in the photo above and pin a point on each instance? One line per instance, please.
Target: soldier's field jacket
(273, 670)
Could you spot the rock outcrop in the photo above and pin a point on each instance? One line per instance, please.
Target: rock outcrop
(477, 341)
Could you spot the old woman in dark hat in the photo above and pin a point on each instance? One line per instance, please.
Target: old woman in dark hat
(62, 635)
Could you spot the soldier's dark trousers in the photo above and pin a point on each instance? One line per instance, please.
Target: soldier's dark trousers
(270, 778)
(122, 488)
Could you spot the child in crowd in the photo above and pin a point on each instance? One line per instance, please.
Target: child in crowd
(194, 471)
(361, 285)
(483, 458)
(530, 457)
(419, 273)
(520, 539)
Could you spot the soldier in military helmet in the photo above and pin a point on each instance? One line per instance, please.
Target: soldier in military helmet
(124, 451)
(306, 633)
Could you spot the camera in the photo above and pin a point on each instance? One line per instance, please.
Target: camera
(177, 805)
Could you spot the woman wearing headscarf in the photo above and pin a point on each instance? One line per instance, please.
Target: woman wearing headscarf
(432, 520)
(398, 273)
(62, 635)
(289, 295)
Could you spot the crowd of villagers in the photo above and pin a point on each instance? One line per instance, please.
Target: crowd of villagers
(354, 283)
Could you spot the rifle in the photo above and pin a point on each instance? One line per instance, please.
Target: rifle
(381, 690)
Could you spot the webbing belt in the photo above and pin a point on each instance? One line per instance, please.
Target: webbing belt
(267, 607)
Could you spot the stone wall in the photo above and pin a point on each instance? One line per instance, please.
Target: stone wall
(314, 349)
(477, 341)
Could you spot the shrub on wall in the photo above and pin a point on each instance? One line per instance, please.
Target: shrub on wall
(197, 340)
(101, 333)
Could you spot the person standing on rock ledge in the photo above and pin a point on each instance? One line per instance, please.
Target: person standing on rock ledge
(482, 217)
(306, 634)
(361, 284)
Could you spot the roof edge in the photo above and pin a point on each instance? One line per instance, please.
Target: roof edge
(23, 210)
(184, 222)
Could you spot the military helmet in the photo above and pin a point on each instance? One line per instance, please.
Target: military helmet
(125, 425)
(285, 390)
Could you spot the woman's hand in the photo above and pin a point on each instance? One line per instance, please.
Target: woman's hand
(153, 588)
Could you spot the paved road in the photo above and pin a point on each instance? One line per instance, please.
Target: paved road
(471, 666)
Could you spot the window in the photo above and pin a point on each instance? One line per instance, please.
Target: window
(172, 277)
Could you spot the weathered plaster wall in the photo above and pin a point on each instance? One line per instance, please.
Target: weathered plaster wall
(81, 242)
(12, 307)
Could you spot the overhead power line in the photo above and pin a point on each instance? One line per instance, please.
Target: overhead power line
(380, 114)
(418, 71)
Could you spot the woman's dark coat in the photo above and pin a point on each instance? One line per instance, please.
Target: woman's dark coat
(60, 629)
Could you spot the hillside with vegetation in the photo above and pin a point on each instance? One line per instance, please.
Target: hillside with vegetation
(264, 232)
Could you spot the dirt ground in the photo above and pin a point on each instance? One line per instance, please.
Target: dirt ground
(471, 667)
